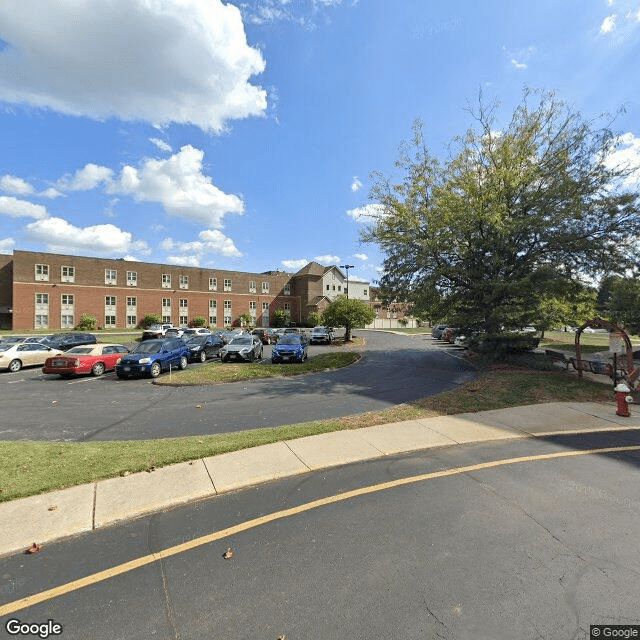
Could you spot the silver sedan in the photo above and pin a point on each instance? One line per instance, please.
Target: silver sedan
(245, 348)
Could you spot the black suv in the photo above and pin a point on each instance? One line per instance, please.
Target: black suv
(64, 341)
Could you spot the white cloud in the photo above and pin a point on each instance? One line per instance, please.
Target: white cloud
(361, 256)
(60, 235)
(161, 61)
(518, 65)
(180, 186)
(17, 186)
(21, 208)
(210, 241)
(608, 24)
(328, 259)
(356, 184)
(295, 265)
(367, 213)
(161, 144)
(51, 193)
(626, 157)
(6, 245)
(184, 261)
(85, 179)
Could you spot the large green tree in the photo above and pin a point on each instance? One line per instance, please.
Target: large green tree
(348, 313)
(514, 215)
(624, 303)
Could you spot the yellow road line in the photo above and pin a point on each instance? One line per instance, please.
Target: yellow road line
(125, 567)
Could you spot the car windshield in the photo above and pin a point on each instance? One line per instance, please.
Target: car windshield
(81, 350)
(319, 330)
(150, 346)
(289, 339)
(194, 342)
(241, 341)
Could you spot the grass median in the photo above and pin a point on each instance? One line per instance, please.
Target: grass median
(29, 468)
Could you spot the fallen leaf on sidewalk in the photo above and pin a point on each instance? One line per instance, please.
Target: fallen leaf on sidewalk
(228, 554)
(53, 507)
(34, 548)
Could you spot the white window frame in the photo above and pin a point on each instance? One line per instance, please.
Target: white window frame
(227, 284)
(184, 282)
(132, 321)
(213, 284)
(110, 320)
(166, 281)
(252, 286)
(287, 289)
(110, 276)
(69, 276)
(265, 287)
(41, 321)
(183, 320)
(132, 278)
(183, 304)
(42, 272)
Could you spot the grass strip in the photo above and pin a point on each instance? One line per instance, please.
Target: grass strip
(30, 468)
(232, 372)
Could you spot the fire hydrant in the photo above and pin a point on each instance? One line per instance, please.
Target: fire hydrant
(623, 399)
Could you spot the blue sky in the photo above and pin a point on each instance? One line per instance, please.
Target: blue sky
(243, 136)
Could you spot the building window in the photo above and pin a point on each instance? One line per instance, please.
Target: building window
(227, 304)
(166, 302)
(364, 292)
(66, 299)
(132, 321)
(213, 284)
(166, 281)
(334, 286)
(287, 289)
(132, 301)
(184, 304)
(213, 321)
(42, 272)
(265, 306)
(67, 274)
(166, 319)
(227, 285)
(227, 312)
(339, 288)
(42, 321)
(327, 287)
(66, 321)
(110, 301)
(42, 299)
(109, 321)
(265, 287)
(213, 304)
(110, 276)
(132, 278)
(183, 321)
(252, 286)
(184, 282)
(287, 307)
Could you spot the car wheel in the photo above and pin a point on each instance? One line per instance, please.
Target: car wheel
(183, 363)
(97, 369)
(274, 361)
(15, 365)
(224, 359)
(121, 375)
(155, 370)
(203, 356)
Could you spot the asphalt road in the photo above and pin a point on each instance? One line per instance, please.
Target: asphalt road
(527, 550)
(393, 369)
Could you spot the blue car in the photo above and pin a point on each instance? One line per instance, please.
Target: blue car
(152, 357)
(290, 348)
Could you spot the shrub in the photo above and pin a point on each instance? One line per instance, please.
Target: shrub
(198, 321)
(87, 322)
(314, 319)
(149, 319)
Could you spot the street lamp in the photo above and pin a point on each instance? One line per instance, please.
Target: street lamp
(346, 267)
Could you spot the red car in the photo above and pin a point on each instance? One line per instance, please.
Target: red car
(91, 358)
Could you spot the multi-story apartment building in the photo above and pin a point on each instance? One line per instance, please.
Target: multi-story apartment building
(48, 290)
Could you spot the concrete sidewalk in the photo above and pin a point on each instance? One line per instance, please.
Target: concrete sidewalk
(60, 514)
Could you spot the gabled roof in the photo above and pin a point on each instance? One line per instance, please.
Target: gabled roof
(311, 269)
(314, 302)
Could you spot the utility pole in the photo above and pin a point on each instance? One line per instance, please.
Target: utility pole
(346, 267)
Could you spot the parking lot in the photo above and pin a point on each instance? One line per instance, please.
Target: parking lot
(393, 369)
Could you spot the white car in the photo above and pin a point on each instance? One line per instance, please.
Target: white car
(15, 356)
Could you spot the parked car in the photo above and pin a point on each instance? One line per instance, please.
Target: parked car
(12, 339)
(436, 332)
(189, 333)
(290, 348)
(265, 335)
(174, 332)
(449, 334)
(322, 335)
(15, 356)
(93, 359)
(156, 331)
(42, 339)
(65, 341)
(245, 347)
(204, 346)
(152, 357)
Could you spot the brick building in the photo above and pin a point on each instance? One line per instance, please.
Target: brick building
(48, 290)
